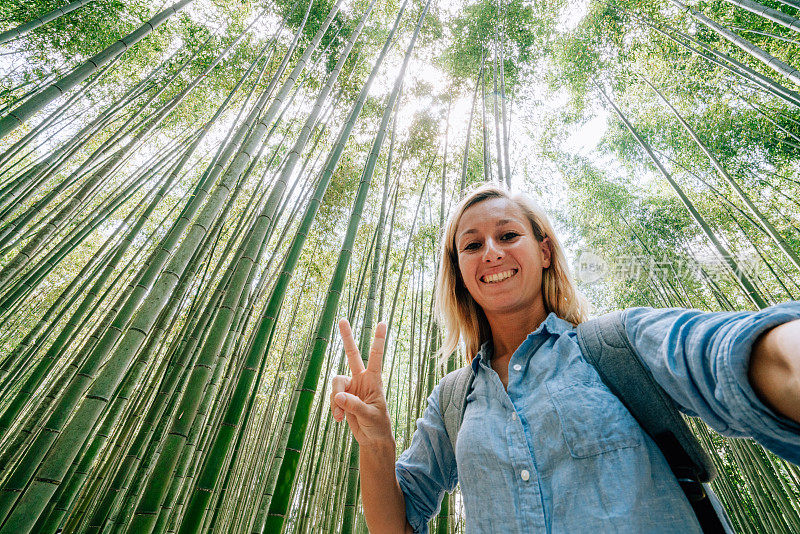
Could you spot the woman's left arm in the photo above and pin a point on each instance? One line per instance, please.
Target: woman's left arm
(774, 370)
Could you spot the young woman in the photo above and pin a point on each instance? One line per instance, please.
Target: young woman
(544, 446)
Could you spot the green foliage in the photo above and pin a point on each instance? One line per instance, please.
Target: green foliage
(422, 134)
(527, 31)
(81, 33)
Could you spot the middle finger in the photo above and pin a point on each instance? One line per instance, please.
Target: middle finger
(376, 351)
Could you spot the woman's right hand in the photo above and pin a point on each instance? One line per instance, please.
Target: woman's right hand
(360, 398)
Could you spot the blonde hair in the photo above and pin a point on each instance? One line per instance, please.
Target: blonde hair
(457, 311)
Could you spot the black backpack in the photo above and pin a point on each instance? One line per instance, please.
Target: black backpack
(605, 345)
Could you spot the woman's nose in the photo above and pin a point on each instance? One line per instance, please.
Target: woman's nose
(492, 252)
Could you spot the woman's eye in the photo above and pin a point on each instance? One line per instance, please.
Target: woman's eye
(510, 235)
(472, 246)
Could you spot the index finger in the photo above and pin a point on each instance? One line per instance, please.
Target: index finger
(376, 351)
(350, 348)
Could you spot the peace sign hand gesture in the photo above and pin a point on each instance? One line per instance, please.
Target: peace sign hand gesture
(360, 398)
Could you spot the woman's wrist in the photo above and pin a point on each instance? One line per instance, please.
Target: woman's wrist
(382, 446)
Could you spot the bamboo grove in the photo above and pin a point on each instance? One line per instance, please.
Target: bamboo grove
(192, 192)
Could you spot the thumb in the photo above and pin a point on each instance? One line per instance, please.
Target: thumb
(352, 404)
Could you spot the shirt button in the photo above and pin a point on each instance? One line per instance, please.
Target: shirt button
(517, 367)
(524, 475)
(513, 416)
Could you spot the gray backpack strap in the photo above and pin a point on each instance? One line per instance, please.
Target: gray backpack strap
(605, 344)
(453, 391)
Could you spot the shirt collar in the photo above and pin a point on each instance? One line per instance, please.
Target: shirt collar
(552, 324)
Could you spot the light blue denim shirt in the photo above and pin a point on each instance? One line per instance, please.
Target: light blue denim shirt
(558, 452)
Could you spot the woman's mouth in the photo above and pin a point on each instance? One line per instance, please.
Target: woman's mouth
(498, 277)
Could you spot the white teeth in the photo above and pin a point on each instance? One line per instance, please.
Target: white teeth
(498, 277)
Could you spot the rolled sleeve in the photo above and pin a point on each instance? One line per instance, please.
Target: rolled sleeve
(427, 468)
(701, 360)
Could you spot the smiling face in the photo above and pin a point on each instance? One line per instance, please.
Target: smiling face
(499, 258)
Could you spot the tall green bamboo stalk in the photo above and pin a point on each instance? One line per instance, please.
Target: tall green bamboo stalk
(22, 113)
(22, 29)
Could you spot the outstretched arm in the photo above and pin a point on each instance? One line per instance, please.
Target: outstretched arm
(727, 368)
(774, 370)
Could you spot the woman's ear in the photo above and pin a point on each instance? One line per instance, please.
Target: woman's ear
(544, 246)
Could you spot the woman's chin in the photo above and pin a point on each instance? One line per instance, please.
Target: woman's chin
(505, 305)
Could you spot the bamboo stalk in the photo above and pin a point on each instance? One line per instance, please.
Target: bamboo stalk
(25, 111)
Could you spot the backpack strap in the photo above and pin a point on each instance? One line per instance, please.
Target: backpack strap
(453, 391)
(605, 344)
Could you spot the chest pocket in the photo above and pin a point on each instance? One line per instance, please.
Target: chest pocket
(593, 419)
